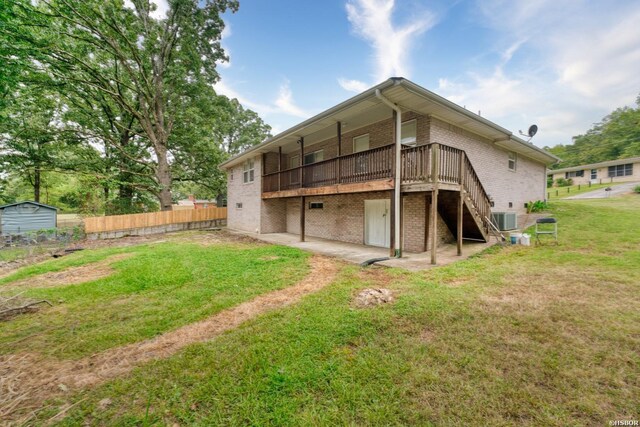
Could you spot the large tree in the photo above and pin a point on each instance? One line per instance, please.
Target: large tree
(616, 136)
(147, 67)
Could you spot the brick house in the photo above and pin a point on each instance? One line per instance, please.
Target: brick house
(396, 166)
(621, 170)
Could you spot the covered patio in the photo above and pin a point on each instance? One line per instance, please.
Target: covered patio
(357, 254)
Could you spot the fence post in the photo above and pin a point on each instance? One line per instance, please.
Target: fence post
(578, 187)
(556, 193)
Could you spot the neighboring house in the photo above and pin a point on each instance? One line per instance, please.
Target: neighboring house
(334, 176)
(193, 203)
(621, 170)
(18, 218)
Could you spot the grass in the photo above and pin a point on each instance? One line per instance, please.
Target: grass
(556, 193)
(159, 288)
(545, 335)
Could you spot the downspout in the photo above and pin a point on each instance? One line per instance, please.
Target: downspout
(398, 194)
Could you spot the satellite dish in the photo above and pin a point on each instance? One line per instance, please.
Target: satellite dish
(533, 129)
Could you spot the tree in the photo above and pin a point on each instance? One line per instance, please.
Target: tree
(29, 139)
(616, 136)
(155, 63)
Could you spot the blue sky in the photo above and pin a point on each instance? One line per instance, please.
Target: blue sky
(562, 64)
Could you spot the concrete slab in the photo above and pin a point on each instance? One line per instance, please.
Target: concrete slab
(360, 253)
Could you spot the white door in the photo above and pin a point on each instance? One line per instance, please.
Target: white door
(377, 221)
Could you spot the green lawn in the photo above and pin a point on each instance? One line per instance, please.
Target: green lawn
(159, 288)
(556, 193)
(544, 335)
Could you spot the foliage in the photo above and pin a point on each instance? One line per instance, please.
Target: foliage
(637, 189)
(135, 92)
(537, 206)
(562, 182)
(616, 136)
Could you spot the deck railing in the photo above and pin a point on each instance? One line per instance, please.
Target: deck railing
(423, 163)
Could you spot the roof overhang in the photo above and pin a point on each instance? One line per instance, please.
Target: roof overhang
(409, 97)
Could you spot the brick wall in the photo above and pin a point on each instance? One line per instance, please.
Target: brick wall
(414, 222)
(526, 183)
(248, 217)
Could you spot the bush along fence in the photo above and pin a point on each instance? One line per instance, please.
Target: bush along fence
(154, 222)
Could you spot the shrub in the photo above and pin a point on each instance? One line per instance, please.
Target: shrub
(537, 206)
(637, 189)
(561, 182)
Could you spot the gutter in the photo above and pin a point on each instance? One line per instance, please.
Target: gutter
(397, 192)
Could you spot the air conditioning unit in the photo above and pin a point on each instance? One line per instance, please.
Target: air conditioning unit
(505, 220)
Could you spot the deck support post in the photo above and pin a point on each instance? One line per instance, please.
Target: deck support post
(435, 170)
(302, 212)
(301, 170)
(461, 196)
(338, 168)
(279, 168)
(392, 221)
(427, 214)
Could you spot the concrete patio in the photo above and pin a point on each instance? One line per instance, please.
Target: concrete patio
(359, 253)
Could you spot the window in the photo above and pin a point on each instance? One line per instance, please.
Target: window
(361, 143)
(294, 161)
(408, 132)
(238, 205)
(594, 173)
(248, 172)
(231, 175)
(513, 158)
(621, 170)
(316, 205)
(316, 156)
(574, 174)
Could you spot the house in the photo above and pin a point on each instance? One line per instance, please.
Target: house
(621, 170)
(396, 166)
(193, 203)
(18, 218)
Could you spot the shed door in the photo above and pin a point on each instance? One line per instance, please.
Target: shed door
(377, 223)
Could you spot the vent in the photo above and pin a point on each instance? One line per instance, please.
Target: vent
(505, 220)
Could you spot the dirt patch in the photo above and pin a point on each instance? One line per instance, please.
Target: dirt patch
(27, 380)
(269, 258)
(70, 276)
(373, 297)
(540, 290)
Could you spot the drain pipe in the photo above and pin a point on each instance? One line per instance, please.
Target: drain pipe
(397, 192)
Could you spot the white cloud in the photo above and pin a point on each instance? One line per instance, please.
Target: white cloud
(282, 105)
(373, 21)
(286, 103)
(226, 33)
(573, 62)
(353, 85)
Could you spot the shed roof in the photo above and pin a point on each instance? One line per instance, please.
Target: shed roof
(408, 96)
(28, 201)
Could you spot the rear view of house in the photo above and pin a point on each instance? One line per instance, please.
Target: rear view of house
(396, 166)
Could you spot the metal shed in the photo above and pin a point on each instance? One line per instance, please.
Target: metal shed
(18, 218)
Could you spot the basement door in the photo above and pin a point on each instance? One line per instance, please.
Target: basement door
(377, 221)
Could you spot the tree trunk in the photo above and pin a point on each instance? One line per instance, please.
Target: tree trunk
(36, 184)
(163, 175)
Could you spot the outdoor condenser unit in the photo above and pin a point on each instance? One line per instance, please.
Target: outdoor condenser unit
(505, 220)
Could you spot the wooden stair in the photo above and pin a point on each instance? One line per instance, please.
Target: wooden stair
(473, 225)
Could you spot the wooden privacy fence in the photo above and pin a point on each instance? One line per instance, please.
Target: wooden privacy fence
(100, 224)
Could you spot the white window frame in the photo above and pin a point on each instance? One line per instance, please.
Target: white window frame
(315, 154)
(415, 136)
(359, 137)
(512, 158)
(248, 171)
(297, 161)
